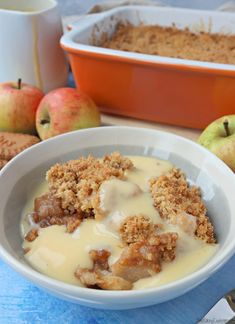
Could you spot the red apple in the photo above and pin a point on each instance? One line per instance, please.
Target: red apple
(18, 105)
(64, 110)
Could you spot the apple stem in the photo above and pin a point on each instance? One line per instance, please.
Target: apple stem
(226, 124)
(19, 84)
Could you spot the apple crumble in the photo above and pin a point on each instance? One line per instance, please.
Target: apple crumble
(172, 42)
(181, 204)
(115, 223)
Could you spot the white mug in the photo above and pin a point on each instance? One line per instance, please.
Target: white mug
(30, 32)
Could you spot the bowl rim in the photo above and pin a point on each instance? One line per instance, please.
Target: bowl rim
(198, 276)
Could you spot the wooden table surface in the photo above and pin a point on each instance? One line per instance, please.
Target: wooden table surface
(109, 120)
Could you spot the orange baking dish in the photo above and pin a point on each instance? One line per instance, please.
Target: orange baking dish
(167, 90)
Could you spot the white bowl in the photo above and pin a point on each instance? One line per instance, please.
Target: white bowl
(201, 167)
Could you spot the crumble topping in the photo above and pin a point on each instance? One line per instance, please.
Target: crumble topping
(48, 211)
(137, 228)
(138, 260)
(77, 181)
(73, 187)
(172, 195)
(172, 42)
(143, 259)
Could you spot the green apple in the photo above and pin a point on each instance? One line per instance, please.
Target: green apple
(64, 110)
(219, 138)
(18, 105)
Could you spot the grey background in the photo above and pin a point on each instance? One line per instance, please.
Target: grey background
(74, 7)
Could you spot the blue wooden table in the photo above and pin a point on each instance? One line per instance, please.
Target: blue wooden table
(21, 302)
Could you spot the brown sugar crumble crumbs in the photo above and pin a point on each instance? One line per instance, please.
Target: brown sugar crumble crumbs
(73, 197)
(172, 42)
(72, 190)
(173, 197)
